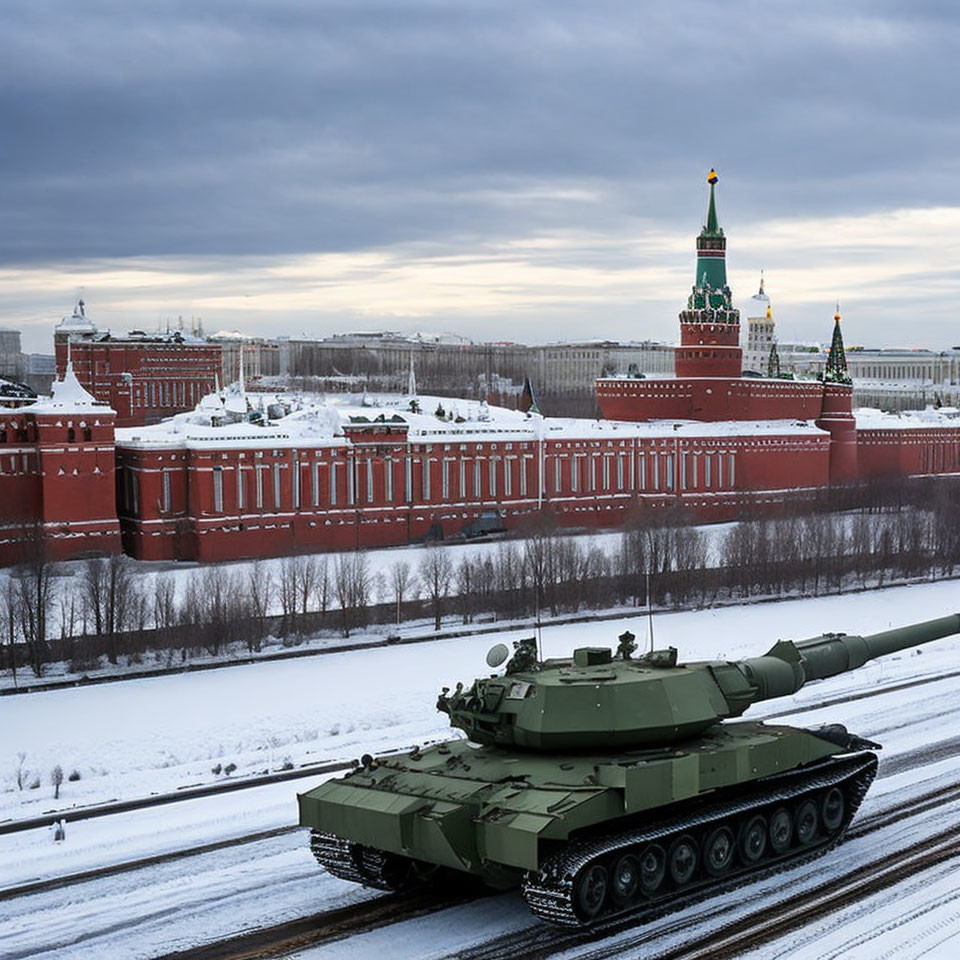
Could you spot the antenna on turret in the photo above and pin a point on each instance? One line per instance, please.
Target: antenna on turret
(649, 613)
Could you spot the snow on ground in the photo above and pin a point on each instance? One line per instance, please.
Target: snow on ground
(131, 738)
(160, 733)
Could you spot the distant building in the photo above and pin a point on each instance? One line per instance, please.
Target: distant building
(11, 359)
(143, 377)
(760, 336)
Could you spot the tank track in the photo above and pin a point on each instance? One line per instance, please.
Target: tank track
(550, 892)
(352, 861)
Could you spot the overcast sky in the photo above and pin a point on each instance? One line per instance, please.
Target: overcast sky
(504, 170)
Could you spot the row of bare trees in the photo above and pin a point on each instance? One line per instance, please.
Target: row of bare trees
(106, 610)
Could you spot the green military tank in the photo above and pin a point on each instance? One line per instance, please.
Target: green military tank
(608, 783)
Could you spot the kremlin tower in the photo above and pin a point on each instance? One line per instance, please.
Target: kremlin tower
(708, 384)
(710, 326)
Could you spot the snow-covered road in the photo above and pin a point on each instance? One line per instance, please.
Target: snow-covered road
(160, 734)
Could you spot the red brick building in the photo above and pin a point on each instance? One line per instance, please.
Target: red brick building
(144, 378)
(57, 485)
(248, 475)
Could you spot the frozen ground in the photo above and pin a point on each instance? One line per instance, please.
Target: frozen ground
(152, 735)
(131, 738)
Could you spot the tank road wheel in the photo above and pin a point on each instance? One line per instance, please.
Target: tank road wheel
(832, 809)
(806, 821)
(753, 839)
(682, 859)
(718, 851)
(625, 880)
(591, 890)
(781, 830)
(653, 868)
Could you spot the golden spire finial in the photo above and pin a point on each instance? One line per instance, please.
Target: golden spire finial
(836, 316)
(769, 312)
(712, 177)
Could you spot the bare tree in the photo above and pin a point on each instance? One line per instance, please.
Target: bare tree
(35, 595)
(260, 588)
(466, 589)
(109, 594)
(8, 610)
(164, 608)
(400, 582)
(351, 584)
(221, 606)
(436, 572)
(56, 778)
(289, 592)
(321, 585)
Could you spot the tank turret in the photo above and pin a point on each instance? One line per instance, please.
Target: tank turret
(599, 698)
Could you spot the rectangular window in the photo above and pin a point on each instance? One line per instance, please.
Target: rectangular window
(683, 471)
(315, 484)
(463, 479)
(166, 491)
(731, 476)
(218, 489)
(696, 460)
(557, 475)
(707, 464)
(334, 482)
(241, 488)
(508, 476)
(605, 477)
(258, 474)
(369, 479)
(574, 474)
(670, 472)
(135, 491)
(655, 469)
(388, 479)
(620, 472)
(477, 492)
(408, 480)
(524, 466)
(445, 479)
(719, 471)
(296, 484)
(276, 486)
(493, 478)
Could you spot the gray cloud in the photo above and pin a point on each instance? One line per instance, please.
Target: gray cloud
(241, 128)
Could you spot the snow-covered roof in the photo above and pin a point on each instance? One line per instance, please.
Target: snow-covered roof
(869, 418)
(77, 322)
(232, 419)
(68, 396)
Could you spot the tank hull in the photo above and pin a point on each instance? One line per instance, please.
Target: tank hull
(502, 815)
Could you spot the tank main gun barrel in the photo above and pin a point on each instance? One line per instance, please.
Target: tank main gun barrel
(832, 654)
(790, 664)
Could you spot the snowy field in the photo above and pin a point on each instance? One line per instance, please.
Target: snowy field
(133, 738)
